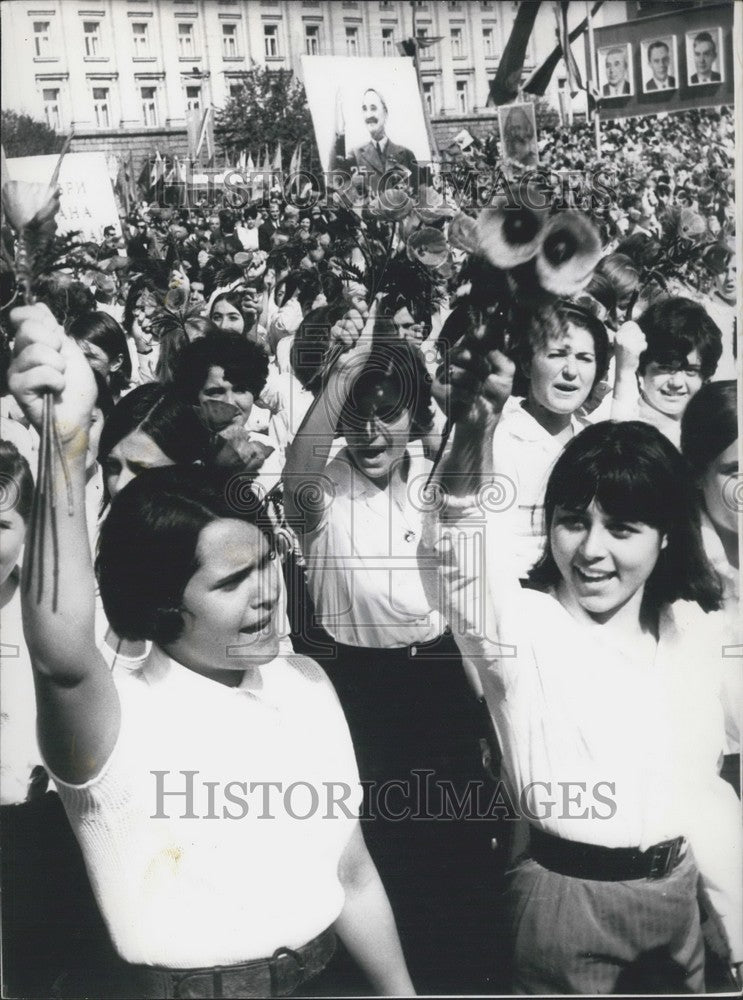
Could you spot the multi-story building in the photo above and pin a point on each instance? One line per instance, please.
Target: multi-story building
(123, 73)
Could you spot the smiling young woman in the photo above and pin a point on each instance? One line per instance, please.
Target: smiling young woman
(617, 685)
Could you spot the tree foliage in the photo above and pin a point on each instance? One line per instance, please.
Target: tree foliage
(23, 136)
(270, 108)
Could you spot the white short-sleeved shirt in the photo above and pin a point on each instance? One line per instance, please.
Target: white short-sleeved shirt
(363, 571)
(228, 868)
(638, 743)
(524, 452)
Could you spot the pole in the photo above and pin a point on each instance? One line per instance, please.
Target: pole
(590, 75)
(426, 118)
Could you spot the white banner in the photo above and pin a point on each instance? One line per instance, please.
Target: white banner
(87, 202)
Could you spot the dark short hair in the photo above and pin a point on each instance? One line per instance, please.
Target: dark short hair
(545, 323)
(13, 466)
(709, 424)
(704, 36)
(657, 45)
(245, 364)
(673, 328)
(165, 510)
(101, 329)
(635, 474)
(172, 424)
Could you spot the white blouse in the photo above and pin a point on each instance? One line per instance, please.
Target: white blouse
(599, 747)
(213, 834)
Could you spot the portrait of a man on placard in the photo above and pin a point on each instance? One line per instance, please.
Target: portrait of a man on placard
(368, 119)
(659, 64)
(615, 71)
(704, 57)
(518, 131)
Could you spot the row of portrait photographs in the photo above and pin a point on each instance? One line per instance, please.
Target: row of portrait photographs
(659, 68)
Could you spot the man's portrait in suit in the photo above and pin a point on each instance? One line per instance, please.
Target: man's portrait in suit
(705, 49)
(614, 71)
(369, 122)
(380, 156)
(659, 55)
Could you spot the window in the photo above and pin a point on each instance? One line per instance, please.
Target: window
(193, 98)
(312, 39)
(463, 99)
(185, 40)
(429, 98)
(42, 39)
(271, 40)
(149, 105)
(456, 43)
(140, 37)
(388, 41)
(51, 107)
(236, 90)
(352, 41)
(92, 35)
(487, 41)
(425, 51)
(101, 107)
(229, 41)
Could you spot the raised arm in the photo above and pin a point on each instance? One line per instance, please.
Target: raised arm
(77, 703)
(471, 545)
(629, 344)
(307, 455)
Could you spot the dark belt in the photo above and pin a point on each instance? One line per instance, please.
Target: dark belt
(278, 976)
(604, 864)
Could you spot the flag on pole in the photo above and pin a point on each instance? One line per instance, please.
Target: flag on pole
(250, 165)
(206, 135)
(575, 82)
(157, 170)
(411, 46)
(505, 84)
(540, 78)
(277, 157)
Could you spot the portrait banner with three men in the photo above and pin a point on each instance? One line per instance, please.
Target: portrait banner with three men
(672, 61)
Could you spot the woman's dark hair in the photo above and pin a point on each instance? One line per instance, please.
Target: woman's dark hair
(13, 466)
(636, 475)
(101, 329)
(674, 327)
(551, 322)
(401, 363)
(245, 364)
(307, 283)
(235, 299)
(172, 424)
(709, 424)
(147, 546)
(138, 287)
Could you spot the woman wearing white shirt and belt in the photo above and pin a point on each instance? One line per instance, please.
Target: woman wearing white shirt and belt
(206, 890)
(396, 668)
(610, 723)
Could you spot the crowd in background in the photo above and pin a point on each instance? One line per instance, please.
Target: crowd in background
(314, 354)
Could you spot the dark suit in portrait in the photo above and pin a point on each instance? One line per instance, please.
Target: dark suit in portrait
(624, 90)
(652, 85)
(713, 78)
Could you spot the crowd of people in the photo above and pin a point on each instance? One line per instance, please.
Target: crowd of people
(380, 567)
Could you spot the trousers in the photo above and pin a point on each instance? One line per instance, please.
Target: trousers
(575, 935)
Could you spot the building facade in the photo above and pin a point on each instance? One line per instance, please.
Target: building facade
(123, 73)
